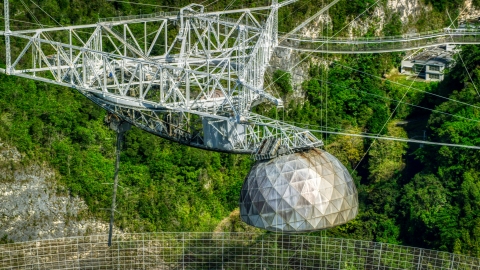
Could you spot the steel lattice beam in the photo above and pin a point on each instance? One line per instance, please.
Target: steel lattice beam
(189, 76)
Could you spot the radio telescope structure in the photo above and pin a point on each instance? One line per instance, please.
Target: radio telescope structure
(189, 76)
(193, 77)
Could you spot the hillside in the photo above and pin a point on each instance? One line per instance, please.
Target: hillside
(422, 196)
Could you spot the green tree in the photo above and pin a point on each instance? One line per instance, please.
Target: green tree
(283, 80)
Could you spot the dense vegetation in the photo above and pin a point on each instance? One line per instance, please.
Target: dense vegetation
(164, 184)
(423, 196)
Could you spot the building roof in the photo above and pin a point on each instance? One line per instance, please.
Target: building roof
(438, 56)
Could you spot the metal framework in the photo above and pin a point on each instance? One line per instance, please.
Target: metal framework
(188, 76)
(357, 45)
(223, 251)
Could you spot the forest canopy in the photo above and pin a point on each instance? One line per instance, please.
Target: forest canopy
(425, 196)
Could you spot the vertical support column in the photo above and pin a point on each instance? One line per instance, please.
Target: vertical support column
(187, 89)
(183, 250)
(452, 261)
(261, 255)
(85, 68)
(166, 37)
(8, 56)
(115, 185)
(125, 39)
(340, 259)
(275, 24)
(59, 70)
(243, 75)
(145, 37)
(120, 127)
(380, 256)
(218, 31)
(70, 41)
(105, 74)
(34, 59)
(99, 32)
(419, 262)
(162, 82)
(78, 255)
(143, 250)
(223, 249)
(141, 77)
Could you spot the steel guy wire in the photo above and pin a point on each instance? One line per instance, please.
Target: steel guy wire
(338, 32)
(406, 103)
(229, 5)
(384, 125)
(347, 132)
(400, 139)
(142, 4)
(211, 3)
(46, 13)
(461, 58)
(413, 88)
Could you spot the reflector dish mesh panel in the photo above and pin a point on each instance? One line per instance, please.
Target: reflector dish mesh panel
(300, 192)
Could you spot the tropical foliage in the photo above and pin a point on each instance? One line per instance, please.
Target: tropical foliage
(427, 196)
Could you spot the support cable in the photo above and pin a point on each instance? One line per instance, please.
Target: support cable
(314, 127)
(413, 88)
(141, 4)
(307, 21)
(211, 3)
(115, 185)
(230, 5)
(346, 132)
(8, 55)
(453, 21)
(120, 127)
(38, 21)
(384, 125)
(31, 13)
(46, 13)
(322, 86)
(15, 20)
(461, 58)
(401, 101)
(399, 139)
(326, 85)
(326, 42)
(406, 103)
(412, 54)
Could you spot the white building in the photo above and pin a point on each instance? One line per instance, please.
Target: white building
(430, 64)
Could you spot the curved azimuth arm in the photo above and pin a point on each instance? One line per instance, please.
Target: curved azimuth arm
(188, 76)
(358, 45)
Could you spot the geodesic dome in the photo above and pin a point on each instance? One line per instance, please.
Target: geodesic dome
(299, 192)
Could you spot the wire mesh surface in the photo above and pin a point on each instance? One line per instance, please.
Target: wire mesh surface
(223, 251)
(300, 192)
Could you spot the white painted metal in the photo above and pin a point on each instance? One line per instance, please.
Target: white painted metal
(189, 76)
(358, 45)
(7, 33)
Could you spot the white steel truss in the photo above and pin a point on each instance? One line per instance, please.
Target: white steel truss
(189, 76)
(358, 45)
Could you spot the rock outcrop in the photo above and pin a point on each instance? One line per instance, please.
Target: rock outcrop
(469, 12)
(33, 205)
(298, 64)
